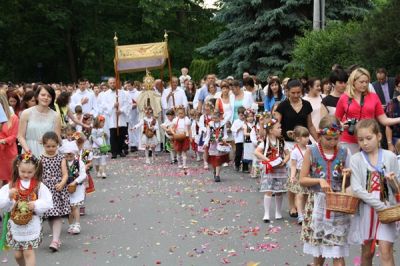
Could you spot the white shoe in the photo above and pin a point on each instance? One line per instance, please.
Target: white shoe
(76, 229)
(70, 227)
(180, 166)
(98, 175)
(147, 161)
(225, 164)
(198, 159)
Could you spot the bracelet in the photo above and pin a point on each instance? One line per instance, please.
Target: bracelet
(389, 142)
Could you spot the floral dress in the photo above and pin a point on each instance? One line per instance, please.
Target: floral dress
(324, 233)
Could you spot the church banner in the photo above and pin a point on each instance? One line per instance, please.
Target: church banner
(139, 57)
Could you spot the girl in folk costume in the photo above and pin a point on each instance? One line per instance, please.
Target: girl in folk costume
(274, 155)
(86, 155)
(204, 120)
(301, 136)
(27, 198)
(149, 136)
(181, 135)
(375, 173)
(55, 177)
(76, 177)
(167, 126)
(248, 146)
(215, 143)
(324, 232)
(98, 139)
(195, 132)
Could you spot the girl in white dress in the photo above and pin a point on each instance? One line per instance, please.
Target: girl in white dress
(181, 125)
(149, 133)
(25, 194)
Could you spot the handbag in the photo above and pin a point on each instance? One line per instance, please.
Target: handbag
(104, 148)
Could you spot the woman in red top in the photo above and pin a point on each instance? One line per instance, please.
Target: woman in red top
(8, 141)
(359, 103)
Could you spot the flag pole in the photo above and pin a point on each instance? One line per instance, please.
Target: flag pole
(117, 80)
(169, 60)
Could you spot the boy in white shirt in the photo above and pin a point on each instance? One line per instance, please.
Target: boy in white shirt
(167, 125)
(237, 131)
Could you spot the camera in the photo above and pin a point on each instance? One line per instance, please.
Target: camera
(352, 125)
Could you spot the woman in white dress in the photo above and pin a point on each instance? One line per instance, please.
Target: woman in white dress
(37, 120)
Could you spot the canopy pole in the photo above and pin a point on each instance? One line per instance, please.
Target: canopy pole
(117, 80)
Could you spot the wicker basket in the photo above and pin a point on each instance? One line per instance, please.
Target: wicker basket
(20, 218)
(71, 188)
(389, 215)
(179, 136)
(341, 201)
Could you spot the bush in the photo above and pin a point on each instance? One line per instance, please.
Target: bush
(199, 68)
(317, 51)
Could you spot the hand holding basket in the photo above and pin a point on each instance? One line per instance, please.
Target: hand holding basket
(342, 201)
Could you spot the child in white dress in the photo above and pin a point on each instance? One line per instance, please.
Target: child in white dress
(25, 194)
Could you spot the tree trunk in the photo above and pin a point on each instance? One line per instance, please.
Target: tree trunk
(71, 56)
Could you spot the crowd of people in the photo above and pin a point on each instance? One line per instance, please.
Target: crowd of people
(299, 137)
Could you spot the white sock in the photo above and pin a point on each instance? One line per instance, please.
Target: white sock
(278, 206)
(184, 158)
(267, 205)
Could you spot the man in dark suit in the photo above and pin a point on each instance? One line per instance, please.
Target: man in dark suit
(384, 86)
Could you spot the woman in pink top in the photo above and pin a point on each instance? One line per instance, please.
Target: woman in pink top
(359, 103)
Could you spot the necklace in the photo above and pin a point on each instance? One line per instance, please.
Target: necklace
(25, 192)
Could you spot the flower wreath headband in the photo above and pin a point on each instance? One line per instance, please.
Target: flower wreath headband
(249, 111)
(27, 157)
(270, 123)
(332, 131)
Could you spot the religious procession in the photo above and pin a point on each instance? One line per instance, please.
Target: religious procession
(314, 160)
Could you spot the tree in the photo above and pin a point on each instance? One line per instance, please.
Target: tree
(71, 39)
(371, 43)
(259, 35)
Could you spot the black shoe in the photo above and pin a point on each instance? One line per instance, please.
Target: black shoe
(266, 221)
(122, 155)
(134, 149)
(114, 156)
(175, 161)
(293, 214)
(126, 152)
(217, 179)
(150, 153)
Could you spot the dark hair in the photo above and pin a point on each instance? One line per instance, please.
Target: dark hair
(63, 99)
(50, 90)
(235, 83)
(397, 80)
(27, 97)
(23, 159)
(293, 83)
(270, 93)
(338, 75)
(249, 81)
(82, 80)
(241, 110)
(170, 112)
(311, 82)
(50, 135)
(382, 70)
(13, 94)
(78, 109)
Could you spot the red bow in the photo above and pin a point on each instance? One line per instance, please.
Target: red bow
(268, 167)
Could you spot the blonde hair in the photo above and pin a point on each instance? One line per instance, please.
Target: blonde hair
(355, 75)
(297, 132)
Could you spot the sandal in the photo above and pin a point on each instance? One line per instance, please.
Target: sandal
(55, 245)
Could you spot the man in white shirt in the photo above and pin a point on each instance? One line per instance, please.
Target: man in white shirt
(173, 96)
(116, 107)
(133, 94)
(84, 98)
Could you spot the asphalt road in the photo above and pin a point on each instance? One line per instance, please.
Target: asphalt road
(155, 215)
